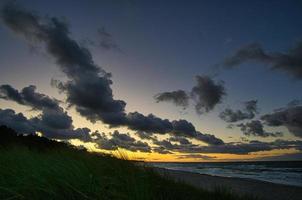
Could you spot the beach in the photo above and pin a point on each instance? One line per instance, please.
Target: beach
(239, 186)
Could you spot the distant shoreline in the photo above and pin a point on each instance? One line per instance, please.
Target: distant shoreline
(232, 161)
(240, 186)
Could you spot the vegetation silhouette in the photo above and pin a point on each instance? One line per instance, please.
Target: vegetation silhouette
(34, 167)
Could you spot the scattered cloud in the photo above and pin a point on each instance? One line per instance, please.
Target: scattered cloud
(255, 128)
(289, 117)
(16, 121)
(178, 98)
(88, 90)
(206, 94)
(161, 150)
(88, 87)
(119, 140)
(29, 97)
(289, 62)
(106, 40)
(146, 136)
(52, 122)
(209, 139)
(249, 111)
(239, 148)
(180, 140)
(24, 125)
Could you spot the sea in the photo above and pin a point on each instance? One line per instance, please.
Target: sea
(281, 172)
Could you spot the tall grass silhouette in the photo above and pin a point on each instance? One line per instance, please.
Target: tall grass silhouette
(36, 168)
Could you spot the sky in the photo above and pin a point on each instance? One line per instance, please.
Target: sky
(222, 80)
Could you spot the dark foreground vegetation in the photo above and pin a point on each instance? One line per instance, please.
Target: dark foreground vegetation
(33, 167)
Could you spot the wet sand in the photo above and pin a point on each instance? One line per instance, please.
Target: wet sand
(240, 186)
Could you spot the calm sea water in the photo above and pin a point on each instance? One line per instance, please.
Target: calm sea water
(288, 173)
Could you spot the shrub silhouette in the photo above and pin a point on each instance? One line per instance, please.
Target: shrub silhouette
(9, 137)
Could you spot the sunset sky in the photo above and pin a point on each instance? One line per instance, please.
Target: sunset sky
(222, 80)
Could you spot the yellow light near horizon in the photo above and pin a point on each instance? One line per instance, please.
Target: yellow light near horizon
(175, 157)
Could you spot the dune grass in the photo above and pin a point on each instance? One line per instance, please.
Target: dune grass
(67, 173)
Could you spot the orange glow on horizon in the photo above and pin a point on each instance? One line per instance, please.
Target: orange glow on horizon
(177, 157)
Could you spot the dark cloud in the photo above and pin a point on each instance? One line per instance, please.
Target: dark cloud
(249, 111)
(9, 93)
(289, 117)
(207, 94)
(149, 123)
(45, 124)
(252, 146)
(166, 144)
(183, 126)
(255, 128)
(29, 97)
(209, 139)
(57, 119)
(120, 140)
(17, 121)
(88, 87)
(251, 106)
(145, 136)
(230, 115)
(180, 140)
(178, 97)
(106, 40)
(161, 150)
(53, 122)
(289, 62)
(285, 157)
(230, 148)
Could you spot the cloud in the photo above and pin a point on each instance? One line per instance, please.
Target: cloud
(52, 122)
(250, 128)
(178, 97)
(120, 140)
(289, 117)
(209, 139)
(285, 157)
(177, 127)
(230, 148)
(180, 140)
(183, 126)
(29, 97)
(149, 123)
(106, 40)
(206, 94)
(33, 125)
(289, 62)
(88, 87)
(252, 146)
(161, 150)
(249, 111)
(17, 121)
(145, 136)
(255, 128)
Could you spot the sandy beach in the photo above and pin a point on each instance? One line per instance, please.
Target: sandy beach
(260, 189)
